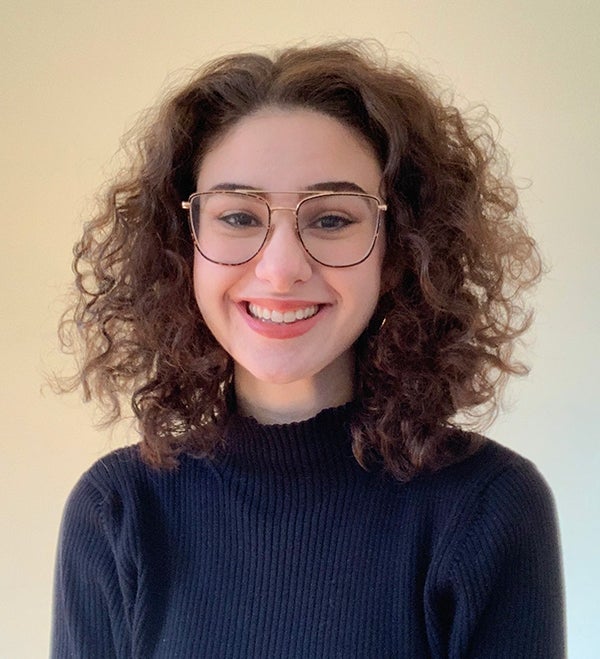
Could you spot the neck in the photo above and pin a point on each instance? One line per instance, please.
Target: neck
(271, 402)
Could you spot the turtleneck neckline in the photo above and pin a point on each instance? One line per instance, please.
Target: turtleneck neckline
(317, 445)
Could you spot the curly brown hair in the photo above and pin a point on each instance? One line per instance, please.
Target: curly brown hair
(458, 258)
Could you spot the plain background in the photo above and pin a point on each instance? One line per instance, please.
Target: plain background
(74, 77)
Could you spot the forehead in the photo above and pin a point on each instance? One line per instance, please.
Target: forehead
(289, 149)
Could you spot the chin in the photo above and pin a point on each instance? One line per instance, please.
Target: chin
(279, 376)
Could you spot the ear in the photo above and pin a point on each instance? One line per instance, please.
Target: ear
(384, 305)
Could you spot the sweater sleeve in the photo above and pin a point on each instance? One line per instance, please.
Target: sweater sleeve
(501, 592)
(90, 618)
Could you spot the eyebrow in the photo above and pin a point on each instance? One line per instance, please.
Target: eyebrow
(325, 186)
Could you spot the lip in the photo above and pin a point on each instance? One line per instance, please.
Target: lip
(280, 330)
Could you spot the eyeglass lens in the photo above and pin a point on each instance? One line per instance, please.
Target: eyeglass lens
(335, 229)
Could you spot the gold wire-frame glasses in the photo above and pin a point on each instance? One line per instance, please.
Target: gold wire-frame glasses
(245, 224)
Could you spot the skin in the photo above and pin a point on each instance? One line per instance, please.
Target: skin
(286, 373)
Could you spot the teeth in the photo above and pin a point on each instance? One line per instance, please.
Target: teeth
(282, 316)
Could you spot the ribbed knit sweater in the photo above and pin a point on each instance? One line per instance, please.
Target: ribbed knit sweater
(283, 547)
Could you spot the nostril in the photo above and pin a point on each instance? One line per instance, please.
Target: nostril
(283, 261)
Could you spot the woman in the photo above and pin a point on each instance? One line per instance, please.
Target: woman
(299, 361)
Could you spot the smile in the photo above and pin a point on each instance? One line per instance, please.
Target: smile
(281, 317)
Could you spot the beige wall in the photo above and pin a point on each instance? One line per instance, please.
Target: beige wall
(74, 75)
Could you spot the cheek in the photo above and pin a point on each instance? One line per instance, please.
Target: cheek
(213, 284)
(199, 281)
(208, 288)
(372, 284)
(363, 291)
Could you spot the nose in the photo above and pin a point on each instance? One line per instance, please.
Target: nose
(283, 262)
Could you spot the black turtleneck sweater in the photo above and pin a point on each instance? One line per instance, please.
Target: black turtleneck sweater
(284, 547)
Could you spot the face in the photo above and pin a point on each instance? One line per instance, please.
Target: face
(247, 306)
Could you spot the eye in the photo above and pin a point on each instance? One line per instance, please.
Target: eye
(240, 219)
(331, 222)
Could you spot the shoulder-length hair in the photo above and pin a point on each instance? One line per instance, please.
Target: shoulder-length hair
(458, 258)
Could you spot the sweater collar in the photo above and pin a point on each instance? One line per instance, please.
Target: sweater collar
(318, 445)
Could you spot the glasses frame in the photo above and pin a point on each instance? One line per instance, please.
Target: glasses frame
(307, 195)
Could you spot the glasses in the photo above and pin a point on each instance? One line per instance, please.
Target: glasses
(337, 229)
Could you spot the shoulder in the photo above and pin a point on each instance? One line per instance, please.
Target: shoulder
(513, 494)
(497, 550)
(120, 500)
(494, 474)
(121, 485)
(104, 491)
(118, 471)
(122, 462)
(118, 487)
(495, 502)
(511, 482)
(495, 496)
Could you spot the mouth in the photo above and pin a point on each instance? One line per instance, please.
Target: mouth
(277, 317)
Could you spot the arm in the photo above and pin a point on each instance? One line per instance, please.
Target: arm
(501, 591)
(89, 619)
